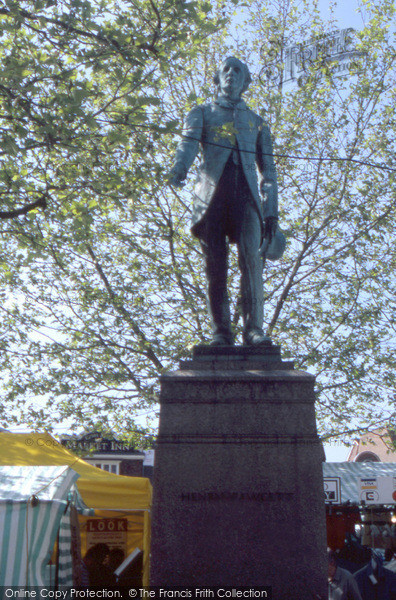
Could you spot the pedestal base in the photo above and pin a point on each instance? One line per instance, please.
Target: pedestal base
(238, 485)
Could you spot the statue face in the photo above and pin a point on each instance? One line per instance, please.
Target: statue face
(231, 78)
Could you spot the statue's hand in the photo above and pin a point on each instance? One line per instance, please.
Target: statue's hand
(177, 176)
(270, 225)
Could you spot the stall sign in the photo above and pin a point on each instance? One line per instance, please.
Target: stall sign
(332, 490)
(112, 532)
(377, 490)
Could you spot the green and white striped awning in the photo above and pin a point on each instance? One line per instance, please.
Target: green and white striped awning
(28, 529)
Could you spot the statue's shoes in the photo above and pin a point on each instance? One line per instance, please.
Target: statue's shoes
(256, 338)
(221, 339)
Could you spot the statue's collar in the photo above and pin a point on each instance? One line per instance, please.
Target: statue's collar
(226, 103)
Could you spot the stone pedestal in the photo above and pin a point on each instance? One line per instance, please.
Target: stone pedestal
(238, 485)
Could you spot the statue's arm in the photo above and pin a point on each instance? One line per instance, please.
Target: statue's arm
(188, 147)
(266, 166)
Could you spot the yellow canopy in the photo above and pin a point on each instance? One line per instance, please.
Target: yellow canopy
(99, 489)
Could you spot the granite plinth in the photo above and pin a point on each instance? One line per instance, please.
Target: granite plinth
(238, 485)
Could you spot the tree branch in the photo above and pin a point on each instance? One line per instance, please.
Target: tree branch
(17, 212)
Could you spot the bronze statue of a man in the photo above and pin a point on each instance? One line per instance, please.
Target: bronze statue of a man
(227, 204)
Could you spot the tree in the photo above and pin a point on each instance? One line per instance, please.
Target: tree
(82, 110)
(105, 289)
(331, 299)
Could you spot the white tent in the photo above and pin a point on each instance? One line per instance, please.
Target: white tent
(32, 503)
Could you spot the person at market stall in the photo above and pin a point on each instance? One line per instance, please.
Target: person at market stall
(95, 565)
(342, 585)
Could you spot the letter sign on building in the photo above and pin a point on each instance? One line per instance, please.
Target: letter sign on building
(332, 490)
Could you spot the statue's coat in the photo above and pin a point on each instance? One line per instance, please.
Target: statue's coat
(215, 127)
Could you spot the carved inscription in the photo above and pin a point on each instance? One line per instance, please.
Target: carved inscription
(237, 496)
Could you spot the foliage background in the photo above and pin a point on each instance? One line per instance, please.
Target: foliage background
(102, 286)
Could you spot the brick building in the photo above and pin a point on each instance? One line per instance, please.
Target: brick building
(374, 446)
(109, 454)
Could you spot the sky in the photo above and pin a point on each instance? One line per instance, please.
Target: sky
(336, 451)
(346, 13)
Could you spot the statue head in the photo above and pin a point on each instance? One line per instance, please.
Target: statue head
(233, 77)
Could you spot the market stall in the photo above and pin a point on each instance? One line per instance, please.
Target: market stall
(361, 502)
(121, 504)
(33, 504)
